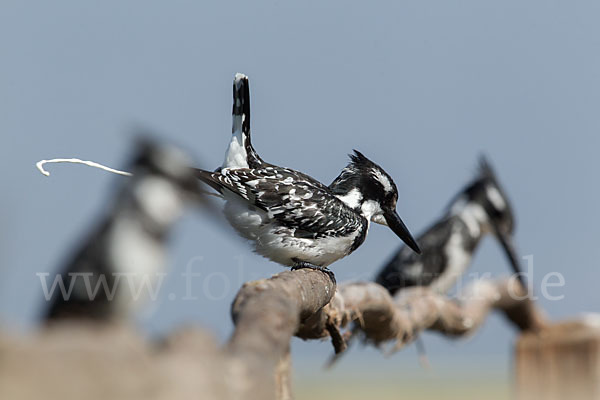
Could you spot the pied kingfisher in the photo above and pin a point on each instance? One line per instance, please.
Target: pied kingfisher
(123, 257)
(291, 218)
(480, 208)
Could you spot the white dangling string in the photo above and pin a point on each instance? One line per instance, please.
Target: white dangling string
(40, 165)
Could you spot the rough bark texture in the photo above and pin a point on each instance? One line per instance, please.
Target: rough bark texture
(381, 318)
(266, 314)
(115, 362)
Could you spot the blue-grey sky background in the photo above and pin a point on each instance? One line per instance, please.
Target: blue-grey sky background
(420, 87)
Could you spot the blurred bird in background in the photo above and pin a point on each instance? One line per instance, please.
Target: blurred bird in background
(110, 274)
(482, 207)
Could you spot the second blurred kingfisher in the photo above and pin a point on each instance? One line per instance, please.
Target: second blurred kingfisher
(447, 247)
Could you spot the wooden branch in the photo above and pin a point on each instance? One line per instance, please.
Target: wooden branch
(99, 361)
(381, 318)
(267, 313)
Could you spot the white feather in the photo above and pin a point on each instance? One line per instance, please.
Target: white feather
(137, 255)
(458, 262)
(236, 156)
(160, 199)
(473, 215)
(370, 209)
(495, 197)
(385, 182)
(352, 199)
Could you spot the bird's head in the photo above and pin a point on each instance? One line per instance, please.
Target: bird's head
(486, 193)
(365, 187)
(166, 162)
(163, 180)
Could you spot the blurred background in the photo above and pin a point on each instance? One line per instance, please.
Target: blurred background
(420, 87)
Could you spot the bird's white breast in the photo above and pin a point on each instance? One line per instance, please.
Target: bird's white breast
(245, 219)
(136, 256)
(459, 259)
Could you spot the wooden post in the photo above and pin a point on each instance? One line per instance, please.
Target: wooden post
(562, 361)
(283, 378)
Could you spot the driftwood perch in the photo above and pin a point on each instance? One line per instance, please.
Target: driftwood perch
(92, 362)
(382, 318)
(267, 313)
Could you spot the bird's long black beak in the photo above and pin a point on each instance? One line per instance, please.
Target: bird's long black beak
(395, 223)
(509, 249)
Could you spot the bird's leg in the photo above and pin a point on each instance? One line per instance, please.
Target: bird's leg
(304, 264)
(337, 339)
(423, 359)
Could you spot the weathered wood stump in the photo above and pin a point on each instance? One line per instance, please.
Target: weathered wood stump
(562, 361)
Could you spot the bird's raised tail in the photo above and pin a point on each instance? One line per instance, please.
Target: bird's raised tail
(240, 153)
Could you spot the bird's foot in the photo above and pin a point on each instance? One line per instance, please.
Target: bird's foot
(304, 264)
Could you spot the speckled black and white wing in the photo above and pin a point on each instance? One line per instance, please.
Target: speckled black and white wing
(294, 200)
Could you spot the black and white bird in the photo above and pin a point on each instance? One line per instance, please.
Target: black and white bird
(291, 218)
(110, 274)
(482, 207)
